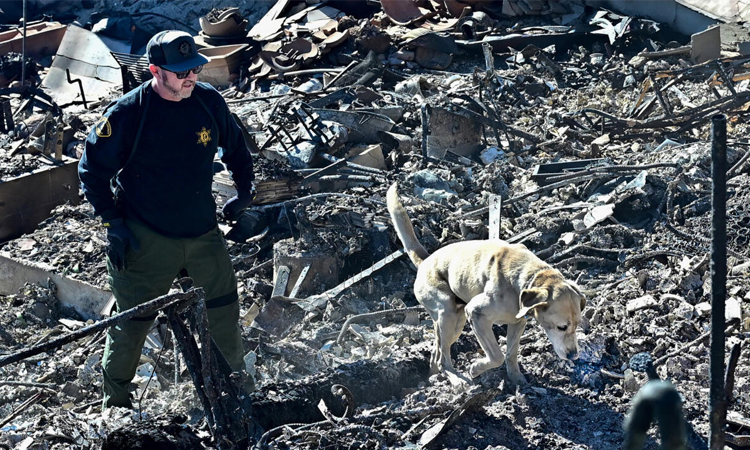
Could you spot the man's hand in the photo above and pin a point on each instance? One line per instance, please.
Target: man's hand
(234, 207)
(119, 238)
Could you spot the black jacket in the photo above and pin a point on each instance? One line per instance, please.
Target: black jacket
(158, 156)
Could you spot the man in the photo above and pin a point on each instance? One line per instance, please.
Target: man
(147, 170)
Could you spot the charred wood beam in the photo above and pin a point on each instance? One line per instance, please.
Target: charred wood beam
(593, 260)
(583, 248)
(327, 170)
(668, 194)
(415, 415)
(549, 187)
(697, 341)
(663, 101)
(727, 79)
(31, 94)
(144, 309)
(221, 391)
(424, 114)
(228, 411)
(23, 407)
(632, 260)
(366, 179)
(684, 120)
(613, 170)
(28, 384)
(338, 76)
(359, 167)
(369, 382)
(314, 196)
(734, 356)
(578, 179)
(705, 68)
(719, 106)
(737, 167)
(191, 354)
(483, 82)
(374, 315)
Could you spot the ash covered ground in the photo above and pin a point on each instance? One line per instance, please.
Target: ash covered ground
(644, 263)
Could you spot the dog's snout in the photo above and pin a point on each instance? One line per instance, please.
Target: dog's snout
(572, 354)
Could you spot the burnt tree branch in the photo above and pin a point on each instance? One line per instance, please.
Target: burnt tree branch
(146, 308)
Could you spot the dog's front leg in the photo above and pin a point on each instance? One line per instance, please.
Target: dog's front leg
(515, 330)
(479, 313)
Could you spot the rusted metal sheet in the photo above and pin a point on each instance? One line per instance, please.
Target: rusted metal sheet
(223, 64)
(42, 39)
(27, 200)
(404, 12)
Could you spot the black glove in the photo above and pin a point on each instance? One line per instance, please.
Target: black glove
(119, 238)
(232, 210)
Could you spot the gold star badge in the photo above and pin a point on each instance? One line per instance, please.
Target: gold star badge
(204, 137)
(103, 128)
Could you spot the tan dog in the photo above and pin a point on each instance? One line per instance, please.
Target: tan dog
(489, 282)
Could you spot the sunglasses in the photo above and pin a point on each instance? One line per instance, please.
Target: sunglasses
(184, 74)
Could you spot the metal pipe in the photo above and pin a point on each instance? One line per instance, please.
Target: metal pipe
(23, 48)
(717, 400)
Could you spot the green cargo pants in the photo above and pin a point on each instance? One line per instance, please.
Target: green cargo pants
(149, 274)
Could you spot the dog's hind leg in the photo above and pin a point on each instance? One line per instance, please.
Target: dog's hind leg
(515, 330)
(435, 357)
(440, 302)
(459, 323)
(452, 321)
(479, 313)
(448, 320)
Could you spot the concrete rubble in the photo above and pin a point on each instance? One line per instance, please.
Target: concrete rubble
(592, 127)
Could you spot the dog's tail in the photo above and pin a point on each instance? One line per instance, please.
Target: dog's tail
(417, 253)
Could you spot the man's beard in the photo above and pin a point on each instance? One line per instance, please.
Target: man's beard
(179, 90)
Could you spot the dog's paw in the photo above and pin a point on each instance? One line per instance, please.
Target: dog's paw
(474, 371)
(477, 368)
(459, 382)
(482, 365)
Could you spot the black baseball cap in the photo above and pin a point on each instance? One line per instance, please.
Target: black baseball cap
(174, 50)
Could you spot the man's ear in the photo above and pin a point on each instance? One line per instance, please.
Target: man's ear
(531, 299)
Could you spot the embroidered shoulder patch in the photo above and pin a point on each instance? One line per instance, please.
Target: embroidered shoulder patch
(204, 136)
(103, 128)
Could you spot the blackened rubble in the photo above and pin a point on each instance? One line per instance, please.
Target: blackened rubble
(504, 94)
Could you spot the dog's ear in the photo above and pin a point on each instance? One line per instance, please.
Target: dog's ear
(580, 293)
(531, 299)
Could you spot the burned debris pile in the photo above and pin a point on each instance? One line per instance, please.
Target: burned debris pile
(579, 132)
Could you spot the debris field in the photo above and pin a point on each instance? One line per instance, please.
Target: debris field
(581, 133)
